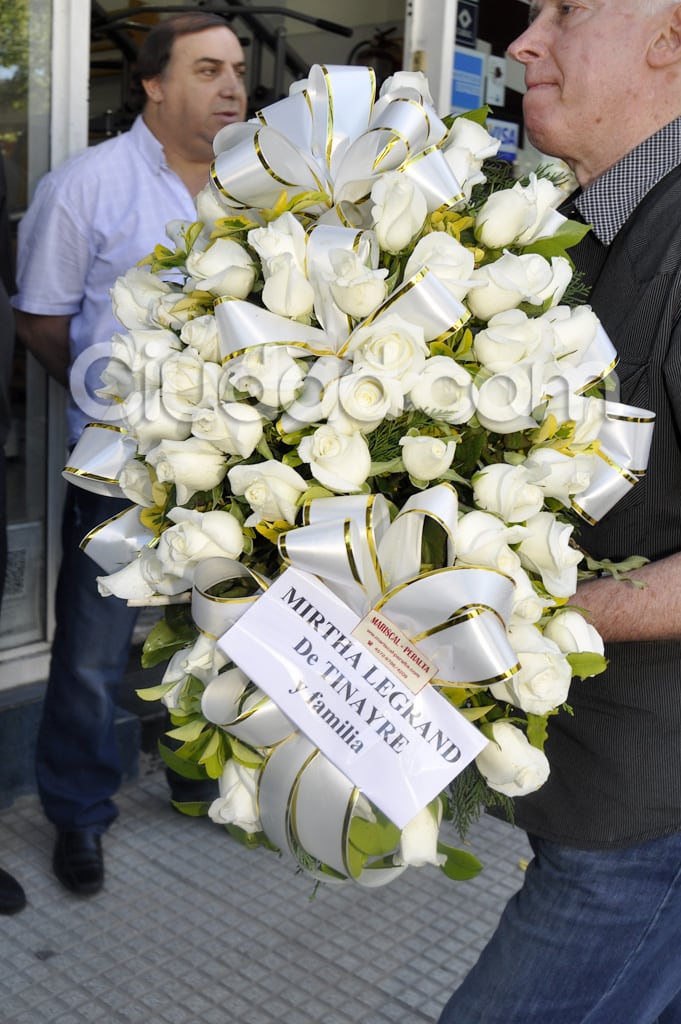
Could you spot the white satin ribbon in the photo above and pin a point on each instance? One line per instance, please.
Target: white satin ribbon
(98, 457)
(117, 541)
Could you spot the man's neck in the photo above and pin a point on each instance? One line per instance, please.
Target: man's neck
(194, 173)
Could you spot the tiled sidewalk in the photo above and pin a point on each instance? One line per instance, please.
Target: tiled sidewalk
(194, 929)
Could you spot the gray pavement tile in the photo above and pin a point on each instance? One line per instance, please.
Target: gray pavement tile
(192, 927)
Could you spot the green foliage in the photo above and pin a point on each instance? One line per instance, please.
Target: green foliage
(460, 864)
(587, 663)
(193, 808)
(469, 795)
(170, 634)
(186, 768)
(537, 729)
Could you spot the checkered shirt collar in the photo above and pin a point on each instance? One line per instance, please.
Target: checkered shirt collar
(607, 202)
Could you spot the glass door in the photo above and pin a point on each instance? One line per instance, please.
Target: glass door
(25, 62)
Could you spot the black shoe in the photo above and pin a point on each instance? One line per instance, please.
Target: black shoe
(12, 896)
(78, 862)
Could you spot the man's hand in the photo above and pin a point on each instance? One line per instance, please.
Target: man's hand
(47, 338)
(623, 611)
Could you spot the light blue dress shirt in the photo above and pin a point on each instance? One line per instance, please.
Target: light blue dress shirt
(91, 219)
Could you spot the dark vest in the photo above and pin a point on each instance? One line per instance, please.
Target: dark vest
(616, 763)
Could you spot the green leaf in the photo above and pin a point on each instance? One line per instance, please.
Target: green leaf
(193, 808)
(187, 769)
(164, 640)
(568, 234)
(356, 860)
(537, 729)
(460, 865)
(214, 756)
(154, 692)
(374, 838)
(191, 730)
(244, 754)
(252, 840)
(587, 663)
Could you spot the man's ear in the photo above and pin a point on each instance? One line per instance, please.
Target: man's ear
(665, 47)
(153, 89)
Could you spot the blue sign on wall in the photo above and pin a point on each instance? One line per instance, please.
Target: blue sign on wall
(509, 133)
(468, 80)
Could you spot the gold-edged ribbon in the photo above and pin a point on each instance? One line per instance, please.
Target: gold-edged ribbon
(98, 457)
(351, 545)
(334, 137)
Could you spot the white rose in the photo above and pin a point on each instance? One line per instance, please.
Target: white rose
(173, 311)
(307, 407)
(145, 416)
(505, 400)
(134, 297)
(507, 491)
(574, 330)
(546, 550)
(337, 460)
(362, 400)
(283, 236)
(465, 148)
(356, 288)
(270, 488)
(447, 258)
(513, 337)
(467, 172)
(483, 540)
(444, 390)
(519, 215)
(281, 247)
(587, 414)
(136, 362)
(268, 374)
(237, 804)
(570, 631)
(510, 764)
(559, 475)
(426, 458)
(187, 383)
(136, 483)
(202, 335)
(543, 681)
(410, 81)
(471, 136)
(224, 268)
(195, 537)
(504, 215)
(141, 579)
(202, 660)
(399, 211)
(545, 197)
(389, 347)
(192, 465)
(528, 605)
(177, 231)
(233, 427)
(209, 209)
(419, 838)
(512, 279)
(287, 290)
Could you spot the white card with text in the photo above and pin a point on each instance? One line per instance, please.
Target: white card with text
(400, 748)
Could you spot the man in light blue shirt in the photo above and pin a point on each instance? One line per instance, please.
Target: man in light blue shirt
(91, 220)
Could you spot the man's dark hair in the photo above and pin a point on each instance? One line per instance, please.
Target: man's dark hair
(155, 53)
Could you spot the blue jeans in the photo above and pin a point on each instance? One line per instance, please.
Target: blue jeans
(77, 760)
(592, 937)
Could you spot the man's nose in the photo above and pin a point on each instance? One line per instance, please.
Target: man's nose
(528, 46)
